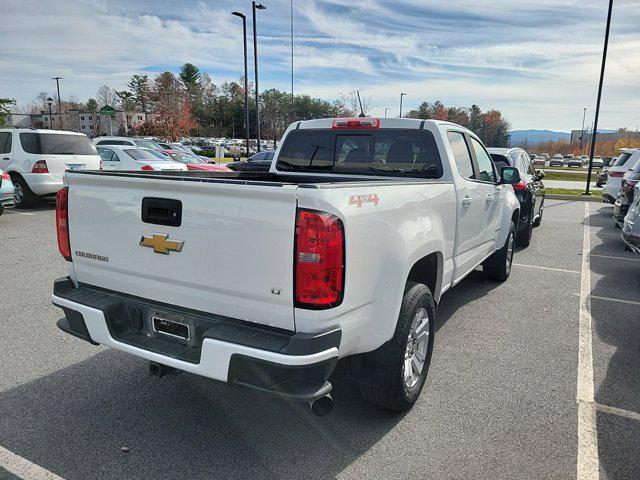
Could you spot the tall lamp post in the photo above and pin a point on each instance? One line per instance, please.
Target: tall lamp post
(57, 79)
(49, 102)
(255, 7)
(246, 76)
(584, 113)
(386, 109)
(401, 95)
(595, 120)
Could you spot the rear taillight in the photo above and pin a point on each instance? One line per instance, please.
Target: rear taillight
(62, 223)
(5, 176)
(616, 174)
(146, 167)
(521, 185)
(356, 123)
(319, 260)
(40, 167)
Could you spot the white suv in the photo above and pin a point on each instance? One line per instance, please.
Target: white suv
(625, 162)
(37, 159)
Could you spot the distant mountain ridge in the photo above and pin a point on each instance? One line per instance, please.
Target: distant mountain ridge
(538, 136)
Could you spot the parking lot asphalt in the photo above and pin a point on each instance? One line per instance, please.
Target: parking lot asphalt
(538, 377)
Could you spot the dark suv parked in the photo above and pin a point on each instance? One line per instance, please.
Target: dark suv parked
(530, 189)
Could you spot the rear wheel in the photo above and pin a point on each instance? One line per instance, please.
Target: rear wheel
(539, 219)
(498, 266)
(23, 197)
(523, 239)
(403, 362)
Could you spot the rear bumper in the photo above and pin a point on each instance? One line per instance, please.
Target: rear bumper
(42, 183)
(294, 366)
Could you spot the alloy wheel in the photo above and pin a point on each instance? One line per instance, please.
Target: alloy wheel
(417, 348)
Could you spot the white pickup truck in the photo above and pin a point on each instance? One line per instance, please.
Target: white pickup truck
(266, 279)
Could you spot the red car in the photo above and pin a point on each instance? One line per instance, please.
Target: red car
(193, 162)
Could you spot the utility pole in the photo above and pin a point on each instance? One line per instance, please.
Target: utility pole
(386, 109)
(595, 120)
(401, 95)
(255, 7)
(584, 112)
(246, 78)
(57, 79)
(292, 97)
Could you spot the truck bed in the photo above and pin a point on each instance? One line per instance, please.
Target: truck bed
(303, 180)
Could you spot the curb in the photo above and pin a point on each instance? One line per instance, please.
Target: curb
(575, 198)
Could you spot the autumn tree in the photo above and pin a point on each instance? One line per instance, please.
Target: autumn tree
(170, 123)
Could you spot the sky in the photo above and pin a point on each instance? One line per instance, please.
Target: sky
(538, 61)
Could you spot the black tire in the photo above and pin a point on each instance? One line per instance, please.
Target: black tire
(523, 238)
(23, 197)
(498, 266)
(393, 392)
(538, 221)
(1, 209)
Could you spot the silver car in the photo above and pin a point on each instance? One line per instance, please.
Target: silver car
(6, 190)
(631, 226)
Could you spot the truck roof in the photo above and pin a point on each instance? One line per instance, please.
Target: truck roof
(414, 123)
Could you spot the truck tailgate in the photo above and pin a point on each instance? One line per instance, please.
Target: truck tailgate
(237, 255)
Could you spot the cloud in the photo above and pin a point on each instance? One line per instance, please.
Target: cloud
(536, 60)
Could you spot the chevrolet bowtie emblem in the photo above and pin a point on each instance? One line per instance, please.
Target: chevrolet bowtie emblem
(161, 243)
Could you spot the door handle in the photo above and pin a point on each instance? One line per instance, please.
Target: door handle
(6, 158)
(466, 201)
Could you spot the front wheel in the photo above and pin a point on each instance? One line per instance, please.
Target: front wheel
(523, 238)
(404, 361)
(498, 266)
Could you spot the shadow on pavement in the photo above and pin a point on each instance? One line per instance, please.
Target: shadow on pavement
(616, 346)
(75, 421)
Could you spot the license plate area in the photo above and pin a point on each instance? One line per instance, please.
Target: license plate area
(171, 328)
(75, 166)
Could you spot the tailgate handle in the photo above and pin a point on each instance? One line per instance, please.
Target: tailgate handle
(162, 211)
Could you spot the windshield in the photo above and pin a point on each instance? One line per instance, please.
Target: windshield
(145, 155)
(57, 144)
(622, 159)
(146, 143)
(391, 152)
(186, 158)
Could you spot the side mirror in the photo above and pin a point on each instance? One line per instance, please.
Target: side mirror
(540, 174)
(509, 175)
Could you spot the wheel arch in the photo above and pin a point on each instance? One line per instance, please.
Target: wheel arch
(428, 270)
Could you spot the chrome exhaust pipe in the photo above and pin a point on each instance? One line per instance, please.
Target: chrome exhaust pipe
(322, 406)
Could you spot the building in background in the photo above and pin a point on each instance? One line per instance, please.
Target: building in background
(92, 124)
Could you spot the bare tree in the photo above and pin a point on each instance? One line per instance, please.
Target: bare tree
(106, 96)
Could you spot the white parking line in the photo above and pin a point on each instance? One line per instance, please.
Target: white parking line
(618, 411)
(628, 302)
(545, 268)
(19, 213)
(23, 468)
(588, 463)
(616, 258)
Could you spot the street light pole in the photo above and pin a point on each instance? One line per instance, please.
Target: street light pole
(255, 7)
(401, 95)
(386, 109)
(584, 113)
(57, 79)
(246, 77)
(50, 101)
(595, 120)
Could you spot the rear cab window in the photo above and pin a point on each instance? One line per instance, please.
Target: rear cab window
(461, 154)
(622, 159)
(5, 142)
(56, 144)
(391, 152)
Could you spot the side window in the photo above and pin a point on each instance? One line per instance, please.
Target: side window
(531, 170)
(485, 166)
(105, 154)
(461, 154)
(5, 142)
